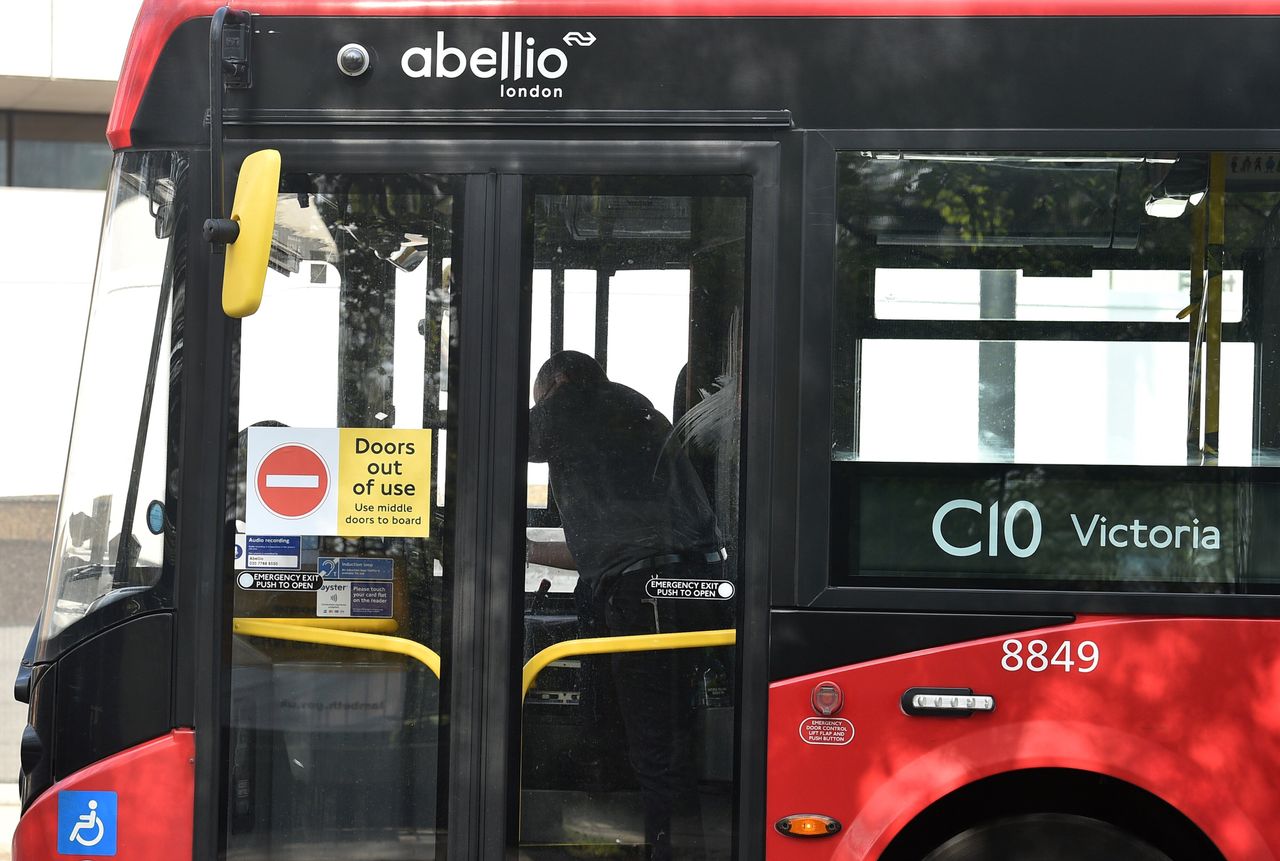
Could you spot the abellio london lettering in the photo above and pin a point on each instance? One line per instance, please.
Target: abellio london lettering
(1093, 530)
(517, 57)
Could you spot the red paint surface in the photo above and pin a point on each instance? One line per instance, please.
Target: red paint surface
(1187, 709)
(159, 18)
(155, 787)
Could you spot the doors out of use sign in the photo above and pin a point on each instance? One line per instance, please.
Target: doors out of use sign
(339, 481)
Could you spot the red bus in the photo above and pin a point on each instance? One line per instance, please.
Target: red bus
(727, 429)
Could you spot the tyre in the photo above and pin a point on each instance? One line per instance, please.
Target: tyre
(1045, 837)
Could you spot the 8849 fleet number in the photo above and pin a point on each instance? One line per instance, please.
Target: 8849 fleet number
(1034, 655)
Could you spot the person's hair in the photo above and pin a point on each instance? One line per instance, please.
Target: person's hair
(577, 368)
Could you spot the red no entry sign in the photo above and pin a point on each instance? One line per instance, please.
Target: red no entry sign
(292, 480)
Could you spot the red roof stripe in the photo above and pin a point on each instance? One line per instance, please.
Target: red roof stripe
(159, 18)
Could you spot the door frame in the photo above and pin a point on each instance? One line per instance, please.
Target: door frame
(483, 691)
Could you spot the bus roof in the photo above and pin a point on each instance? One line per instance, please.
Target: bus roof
(158, 19)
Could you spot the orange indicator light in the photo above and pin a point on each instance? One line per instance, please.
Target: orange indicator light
(807, 825)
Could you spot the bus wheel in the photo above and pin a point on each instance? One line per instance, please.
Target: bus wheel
(1045, 837)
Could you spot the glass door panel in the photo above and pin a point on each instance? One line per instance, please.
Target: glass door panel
(634, 442)
(344, 505)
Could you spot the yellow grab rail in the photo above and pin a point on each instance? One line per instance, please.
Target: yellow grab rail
(611, 645)
(362, 626)
(307, 631)
(294, 630)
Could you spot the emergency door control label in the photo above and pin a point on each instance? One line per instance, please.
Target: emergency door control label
(339, 481)
(822, 730)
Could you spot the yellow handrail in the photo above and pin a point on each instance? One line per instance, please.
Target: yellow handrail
(275, 629)
(304, 631)
(611, 645)
(362, 626)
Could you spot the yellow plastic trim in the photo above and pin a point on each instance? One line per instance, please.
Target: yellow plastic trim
(363, 626)
(254, 209)
(614, 645)
(275, 630)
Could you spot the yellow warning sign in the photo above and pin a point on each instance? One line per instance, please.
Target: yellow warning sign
(385, 482)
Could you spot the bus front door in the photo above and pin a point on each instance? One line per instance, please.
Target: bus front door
(416, 673)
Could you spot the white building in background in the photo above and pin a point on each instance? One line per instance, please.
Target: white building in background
(58, 71)
(57, 79)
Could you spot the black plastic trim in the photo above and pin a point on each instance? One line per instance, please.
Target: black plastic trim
(35, 777)
(443, 153)
(1058, 138)
(202, 662)
(806, 578)
(1092, 603)
(119, 683)
(558, 119)
(22, 681)
(467, 705)
(764, 305)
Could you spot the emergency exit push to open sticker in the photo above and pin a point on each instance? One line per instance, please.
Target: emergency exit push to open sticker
(339, 481)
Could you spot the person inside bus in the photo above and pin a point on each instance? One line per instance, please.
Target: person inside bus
(633, 509)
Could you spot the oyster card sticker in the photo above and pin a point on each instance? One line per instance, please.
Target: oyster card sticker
(384, 484)
(353, 599)
(339, 481)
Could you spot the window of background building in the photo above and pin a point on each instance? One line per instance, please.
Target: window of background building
(47, 150)
(4, 148)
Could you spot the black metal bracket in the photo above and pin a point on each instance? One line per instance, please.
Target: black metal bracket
(230, 35)
(237, 40)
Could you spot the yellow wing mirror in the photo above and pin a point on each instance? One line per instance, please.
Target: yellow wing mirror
(248, 233)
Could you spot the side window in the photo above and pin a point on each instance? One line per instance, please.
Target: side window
(1054, 371)
(114, 518)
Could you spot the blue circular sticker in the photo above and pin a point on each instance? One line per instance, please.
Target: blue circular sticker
(155, 517)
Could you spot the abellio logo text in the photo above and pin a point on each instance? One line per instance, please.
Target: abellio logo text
(516, 58)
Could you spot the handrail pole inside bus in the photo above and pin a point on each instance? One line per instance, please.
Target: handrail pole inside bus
(1195, 328)
(1213, 300)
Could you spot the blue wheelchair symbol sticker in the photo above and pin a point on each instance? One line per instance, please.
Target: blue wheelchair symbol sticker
(86, 823)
